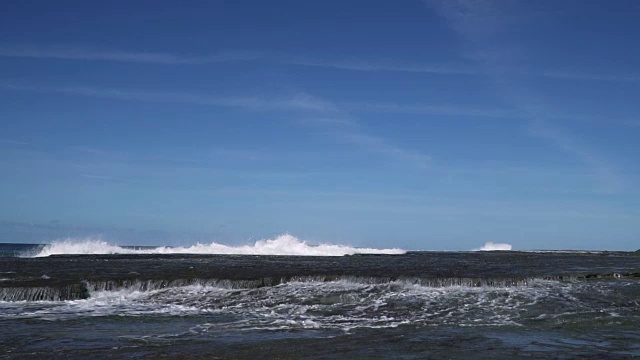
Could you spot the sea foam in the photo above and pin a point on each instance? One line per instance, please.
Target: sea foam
(491, 246)
(282, 245)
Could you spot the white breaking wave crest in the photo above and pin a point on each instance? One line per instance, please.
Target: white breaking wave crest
(491, 246)
(282, 245)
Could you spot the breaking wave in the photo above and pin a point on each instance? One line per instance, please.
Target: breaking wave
(282, 245)
(491, 246)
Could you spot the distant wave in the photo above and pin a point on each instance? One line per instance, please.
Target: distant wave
(491, 246)
(282, 245)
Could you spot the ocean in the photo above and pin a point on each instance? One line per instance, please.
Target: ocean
(272, 300)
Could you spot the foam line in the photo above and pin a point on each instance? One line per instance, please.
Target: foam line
(282, 245)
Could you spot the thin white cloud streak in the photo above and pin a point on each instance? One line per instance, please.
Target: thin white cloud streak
(484, 21)
(631, 123)
(345, 128)
(148, 169)
(65, 53)
(334, 118)
(298, 101)
(329, 121)
(103, 177)
(423, 109)
(380, 145)
(14, 142)
(631, 78)
(481, 23)
(600, 167)
(384, 66)
(88, 150)
(203, 158)
(238, 154)
(463, 21)
(472, 18)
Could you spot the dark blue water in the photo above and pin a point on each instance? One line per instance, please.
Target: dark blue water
(414, 305)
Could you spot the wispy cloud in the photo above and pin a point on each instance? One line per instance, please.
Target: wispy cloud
(379, 65)
(14, 142)
(329, 121)
(481, 20)
(600, 168)
(631, 123)
(427, 109)
(354, 64)
(591, 76)
(346, 128)
(88, 150)
(382, 146)
(332, 117)
(104, 178)
(328, 112)
(238, 154)
(68, 53)
(482, 24)
(299, 101)
(476, 19)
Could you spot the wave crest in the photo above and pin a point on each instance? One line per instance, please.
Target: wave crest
(491, 246)
(282, 245)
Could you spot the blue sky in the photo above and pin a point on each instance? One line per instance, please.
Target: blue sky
(425, 125)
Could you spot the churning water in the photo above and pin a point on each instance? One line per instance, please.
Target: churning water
(376, 304)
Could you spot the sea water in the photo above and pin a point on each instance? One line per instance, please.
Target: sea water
(273, 300)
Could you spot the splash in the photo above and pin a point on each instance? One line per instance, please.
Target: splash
(491, 246)
(282, 245)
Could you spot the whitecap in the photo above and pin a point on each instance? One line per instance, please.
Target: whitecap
(282, 245)
(491, 246)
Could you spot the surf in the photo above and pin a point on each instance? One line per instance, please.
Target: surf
(285, 244)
